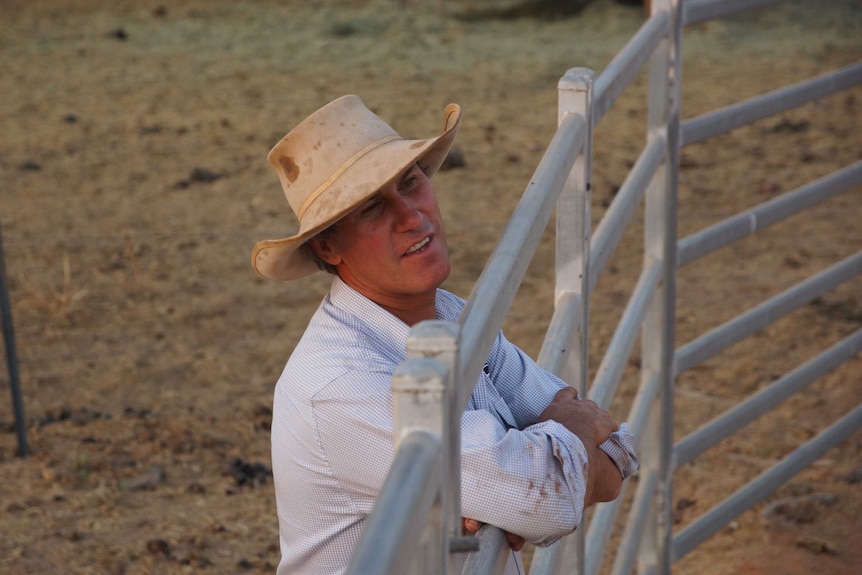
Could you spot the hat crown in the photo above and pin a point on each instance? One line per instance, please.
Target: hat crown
(323, 146)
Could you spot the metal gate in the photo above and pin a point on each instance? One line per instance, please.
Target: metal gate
(415, 526)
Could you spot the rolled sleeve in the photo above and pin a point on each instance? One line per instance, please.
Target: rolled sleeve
(620, 446)
(528, 482)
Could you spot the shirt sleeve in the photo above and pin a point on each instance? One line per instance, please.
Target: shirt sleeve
(530, 482)
(528, 389)
(620, 446)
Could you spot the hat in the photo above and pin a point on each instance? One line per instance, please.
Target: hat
(333, 161)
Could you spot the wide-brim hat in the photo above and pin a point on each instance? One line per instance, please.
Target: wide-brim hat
(333, 161)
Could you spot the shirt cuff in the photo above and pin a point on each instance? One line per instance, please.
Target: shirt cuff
(620, 446)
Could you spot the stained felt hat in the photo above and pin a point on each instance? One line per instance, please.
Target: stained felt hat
(331, 163)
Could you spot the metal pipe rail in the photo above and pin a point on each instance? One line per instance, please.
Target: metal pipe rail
(771, 103)
(601, 525)
(634, 530)
(413, 482)
(718, 339)
(547, 559)
(12, 358)
(697, 11)
(711, 522)
(616, 218)
(624, 67)
(483, 317)
(606, 513)
(619, 350)
(492, 555)
(659, 243)
(564, 324)
(763, 215)
(766, 399)
(641, 409)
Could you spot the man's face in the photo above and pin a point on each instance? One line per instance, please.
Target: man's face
(391, 248)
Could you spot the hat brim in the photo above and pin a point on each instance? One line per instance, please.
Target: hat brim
(283, 259)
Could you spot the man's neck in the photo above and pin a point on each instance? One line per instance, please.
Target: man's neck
(410, 308)
(412, 313)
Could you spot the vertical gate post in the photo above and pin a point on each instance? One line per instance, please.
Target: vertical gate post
(575, 90)
(11, 357)
(418, 405)
(657, 340)
(573, 220)
(438, 340)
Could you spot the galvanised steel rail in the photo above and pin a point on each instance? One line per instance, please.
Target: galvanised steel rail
(624, 68)
(628, 329)
(755, 319)
(769, 104)
(766, 399)
(606, 513)
(767, 482)
(483, 316)
(616, 218)
(634, 530)
(12, 358)
(697, 11)
(412, 483)
(773, 211)
(492, 555)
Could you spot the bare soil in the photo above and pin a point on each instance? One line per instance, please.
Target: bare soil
(133, 184)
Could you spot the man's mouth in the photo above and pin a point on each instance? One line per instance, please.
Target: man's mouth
(418, 246)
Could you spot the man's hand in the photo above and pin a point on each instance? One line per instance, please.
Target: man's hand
(471, 526)
(583, 417)
(593, 425)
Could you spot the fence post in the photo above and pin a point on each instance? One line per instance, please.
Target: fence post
(573, 220)
(402, 532)
(12, 358)
(575, 90)
(438, 340)
(657, 338)
(419, 402)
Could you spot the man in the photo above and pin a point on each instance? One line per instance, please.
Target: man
(533, 454)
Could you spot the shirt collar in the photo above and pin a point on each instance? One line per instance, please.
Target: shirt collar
(348, 299)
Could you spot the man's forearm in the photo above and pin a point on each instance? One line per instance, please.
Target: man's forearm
(604, 481)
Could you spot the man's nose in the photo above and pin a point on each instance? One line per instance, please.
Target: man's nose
(407, 215)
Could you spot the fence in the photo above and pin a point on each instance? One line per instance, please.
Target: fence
(415, 526)
(11, 357)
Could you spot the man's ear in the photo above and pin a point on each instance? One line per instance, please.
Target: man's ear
(325, 250)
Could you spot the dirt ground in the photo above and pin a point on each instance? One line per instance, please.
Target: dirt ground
(133, 184)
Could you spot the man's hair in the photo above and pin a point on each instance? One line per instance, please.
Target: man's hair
(309, 251)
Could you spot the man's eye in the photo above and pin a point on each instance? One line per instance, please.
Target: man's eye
(370, 207)
(408, 182)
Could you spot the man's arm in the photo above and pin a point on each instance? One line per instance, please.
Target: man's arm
(585, 471)
(592, 425)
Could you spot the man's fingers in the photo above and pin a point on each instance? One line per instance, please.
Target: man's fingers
(471, 525)
(516, 542)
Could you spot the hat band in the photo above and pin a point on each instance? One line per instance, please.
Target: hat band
(341, 169)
